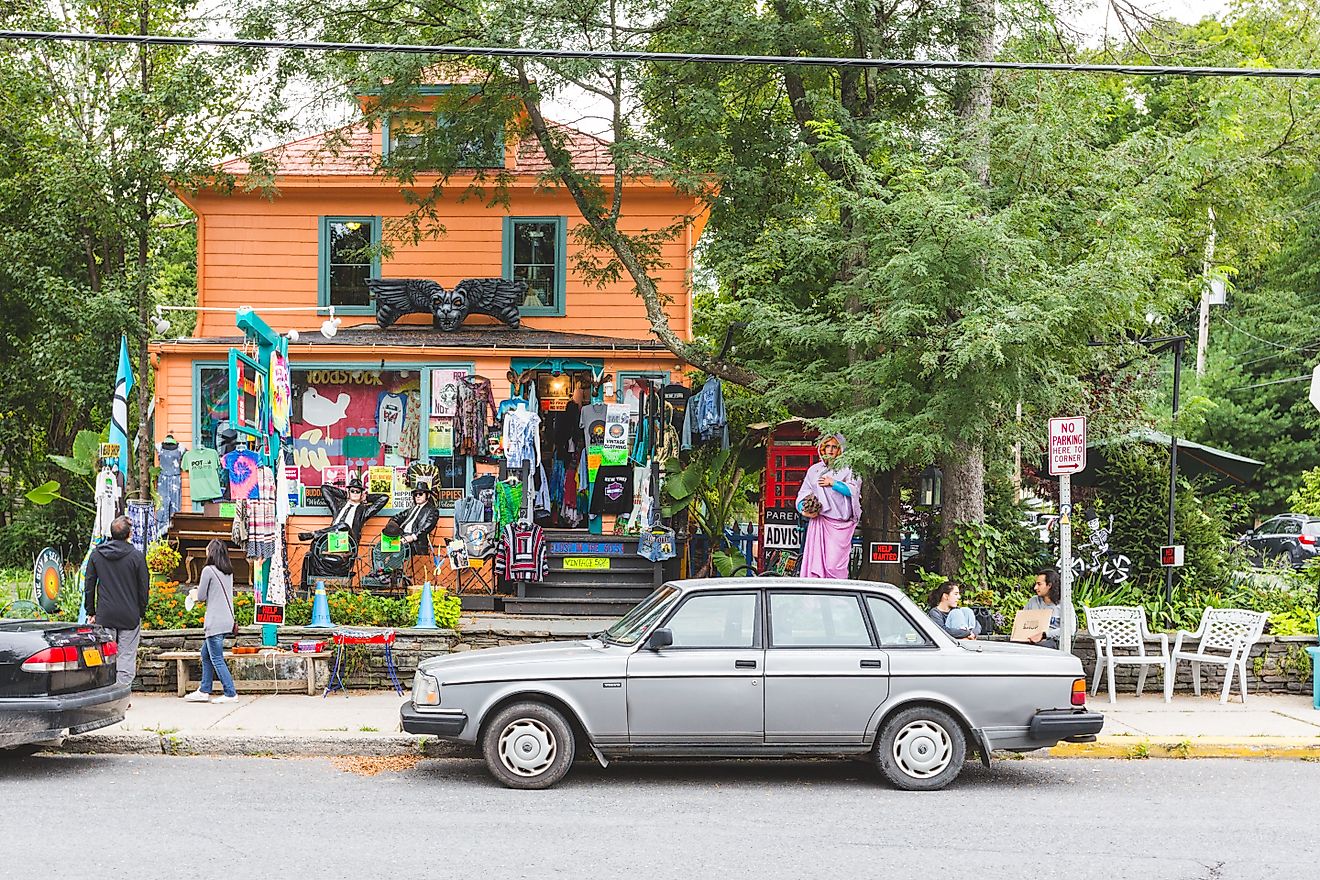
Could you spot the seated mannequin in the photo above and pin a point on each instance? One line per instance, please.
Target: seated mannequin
(350, 508)
(415, 525)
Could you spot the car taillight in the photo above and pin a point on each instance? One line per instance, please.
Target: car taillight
(63, 659)
(109, 649)
(1079, 692)
(1308, 540)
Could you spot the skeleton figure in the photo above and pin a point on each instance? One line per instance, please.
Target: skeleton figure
(497, 297)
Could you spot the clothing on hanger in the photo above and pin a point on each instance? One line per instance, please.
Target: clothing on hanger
(508, 502)
(107, 494)
(521, 554)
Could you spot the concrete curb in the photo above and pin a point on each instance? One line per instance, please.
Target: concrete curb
(1130, 747)
(258, 745)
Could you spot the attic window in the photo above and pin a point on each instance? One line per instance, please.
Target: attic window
(424, 141)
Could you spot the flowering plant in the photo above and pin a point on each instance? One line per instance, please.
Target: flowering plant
(162, 558)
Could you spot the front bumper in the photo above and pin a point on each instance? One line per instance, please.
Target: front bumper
(41, 719)
(448, 725)
(1075, 725)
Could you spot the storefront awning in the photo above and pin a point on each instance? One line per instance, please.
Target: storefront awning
(1222, 468)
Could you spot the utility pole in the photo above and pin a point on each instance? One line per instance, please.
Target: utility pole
(1203, 327)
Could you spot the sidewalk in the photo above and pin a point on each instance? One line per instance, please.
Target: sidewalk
(367, 723)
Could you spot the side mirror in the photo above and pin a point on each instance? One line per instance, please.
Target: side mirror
(661, 638)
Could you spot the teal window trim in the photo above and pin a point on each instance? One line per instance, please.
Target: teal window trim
(559, 309)
(323, 263)
(197, 438)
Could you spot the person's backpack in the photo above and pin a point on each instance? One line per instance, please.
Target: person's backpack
(985, 618)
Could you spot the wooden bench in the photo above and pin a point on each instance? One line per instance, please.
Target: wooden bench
(310, 660)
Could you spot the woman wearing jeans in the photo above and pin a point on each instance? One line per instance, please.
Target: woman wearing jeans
(217, 591)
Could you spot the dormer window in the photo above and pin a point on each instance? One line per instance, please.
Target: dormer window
(430, 141)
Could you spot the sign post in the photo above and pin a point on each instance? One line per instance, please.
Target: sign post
(1067, 457)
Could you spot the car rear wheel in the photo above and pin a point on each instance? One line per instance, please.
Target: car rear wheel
(528, 745)
(26, 750)
(921, 749)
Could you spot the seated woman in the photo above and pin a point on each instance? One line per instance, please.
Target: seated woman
(1049, 594)
(957, 622)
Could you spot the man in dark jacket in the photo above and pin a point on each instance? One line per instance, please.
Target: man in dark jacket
(115, 593)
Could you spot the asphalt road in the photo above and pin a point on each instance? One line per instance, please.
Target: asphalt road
(203, 818)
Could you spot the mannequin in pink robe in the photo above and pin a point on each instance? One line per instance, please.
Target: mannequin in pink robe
(829, 533)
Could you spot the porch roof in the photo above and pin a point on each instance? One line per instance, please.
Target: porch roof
(495, 336)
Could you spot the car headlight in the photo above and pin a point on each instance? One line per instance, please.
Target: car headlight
(425, 690)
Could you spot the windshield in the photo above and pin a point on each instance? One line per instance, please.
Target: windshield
(631, 626)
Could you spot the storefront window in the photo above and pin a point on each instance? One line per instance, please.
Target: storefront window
(348, 260)
(213, 403)
(534, 252)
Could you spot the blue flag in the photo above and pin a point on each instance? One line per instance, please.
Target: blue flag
(119, 405)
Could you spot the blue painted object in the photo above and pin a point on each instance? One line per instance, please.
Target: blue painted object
(426, 610)
(321, 609)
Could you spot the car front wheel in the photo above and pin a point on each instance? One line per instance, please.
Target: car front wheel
(528, 745)
(921, 749)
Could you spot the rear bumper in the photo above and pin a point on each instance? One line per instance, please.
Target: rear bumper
(1052, 725)
(447, 725)
(40, 719)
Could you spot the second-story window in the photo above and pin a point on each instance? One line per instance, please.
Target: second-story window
(434, 141)
(534, 252)
(348, 259)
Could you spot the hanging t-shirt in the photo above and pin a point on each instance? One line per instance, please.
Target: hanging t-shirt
(203, 467)
(243, 467)
(612, 490)
(592, 423)
(676, 397)
(390, 409)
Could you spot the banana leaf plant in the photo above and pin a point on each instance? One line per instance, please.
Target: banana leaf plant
(82, 463)
(714, 491)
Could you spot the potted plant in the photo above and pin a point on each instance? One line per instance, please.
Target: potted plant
(162, 560)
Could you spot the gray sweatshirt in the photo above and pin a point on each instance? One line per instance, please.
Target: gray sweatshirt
(1036, 603)
(217, 591)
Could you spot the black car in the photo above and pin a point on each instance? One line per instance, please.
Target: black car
(1288, 537)
(55, 677)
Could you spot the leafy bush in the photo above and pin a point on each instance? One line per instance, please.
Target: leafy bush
(162, 558)
(166, 609)
(1306, 499)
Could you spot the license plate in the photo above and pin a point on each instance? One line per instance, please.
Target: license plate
(92, 656)
(586, 563)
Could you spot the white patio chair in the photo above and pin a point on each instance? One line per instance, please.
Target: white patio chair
(1233, 630)
(1124, 628)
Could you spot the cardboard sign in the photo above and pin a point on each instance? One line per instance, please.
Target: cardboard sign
(390, 545)
(336, 542)
(586, 563)
(1029, 622)
(268, 614)
(1171, 556)
(1067, 445)
(883, 552)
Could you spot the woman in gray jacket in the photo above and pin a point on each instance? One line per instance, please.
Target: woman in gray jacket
(216, 589)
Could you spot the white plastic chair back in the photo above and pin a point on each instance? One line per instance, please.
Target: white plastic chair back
(1123, 626)
(1229, 629)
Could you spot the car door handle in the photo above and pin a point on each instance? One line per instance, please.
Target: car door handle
(744, 664)
(870, 664)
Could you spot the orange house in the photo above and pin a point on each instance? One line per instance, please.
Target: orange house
(306, 249)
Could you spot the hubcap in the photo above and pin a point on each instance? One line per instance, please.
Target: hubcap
(923, 749)
(527, 747)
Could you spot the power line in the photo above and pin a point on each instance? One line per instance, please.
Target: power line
(678, 57)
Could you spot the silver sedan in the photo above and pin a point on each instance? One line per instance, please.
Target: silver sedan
(755, 667)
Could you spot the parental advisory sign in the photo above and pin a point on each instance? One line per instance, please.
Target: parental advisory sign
(781, 529)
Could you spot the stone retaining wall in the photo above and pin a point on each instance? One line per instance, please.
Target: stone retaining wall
(1279, 664)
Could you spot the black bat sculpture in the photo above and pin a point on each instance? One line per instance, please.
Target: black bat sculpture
(497, 297)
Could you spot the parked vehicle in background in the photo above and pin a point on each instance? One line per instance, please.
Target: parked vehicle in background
(55, 678)
(760, 667)
(1288, 537)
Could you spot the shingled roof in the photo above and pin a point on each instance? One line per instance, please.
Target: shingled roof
(353, 150)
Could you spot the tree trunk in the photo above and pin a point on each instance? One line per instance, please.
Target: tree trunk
(964, 467)
(143, 451)
(881, 521)
(964, 501)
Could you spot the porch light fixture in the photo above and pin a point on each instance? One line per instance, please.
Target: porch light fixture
(931, 492)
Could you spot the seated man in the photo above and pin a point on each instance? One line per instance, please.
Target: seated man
(350, 508)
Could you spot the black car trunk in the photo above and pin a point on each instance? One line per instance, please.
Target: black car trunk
(80, 657)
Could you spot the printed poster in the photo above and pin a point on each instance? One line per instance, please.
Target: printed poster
(444, 392)
(440, 438)
(380, 480)
(614, 450)
(281, 393)
(334, 475)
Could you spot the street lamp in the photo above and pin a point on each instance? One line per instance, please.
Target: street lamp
(931, 493)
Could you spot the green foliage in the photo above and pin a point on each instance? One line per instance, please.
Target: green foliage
(448, 607)
(1306, 498)
(712, 491)
(167, 610)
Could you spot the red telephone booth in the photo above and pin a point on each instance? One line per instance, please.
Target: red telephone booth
(790, 450)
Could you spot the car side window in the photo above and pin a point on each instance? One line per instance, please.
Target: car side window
(817, 620)
(715, 620)
(892, 627)
(1288, 527)
(1270, 526)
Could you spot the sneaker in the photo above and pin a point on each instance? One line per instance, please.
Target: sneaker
(224, 699)
(197, 697)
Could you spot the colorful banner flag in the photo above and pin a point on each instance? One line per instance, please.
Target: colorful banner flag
(119, 405)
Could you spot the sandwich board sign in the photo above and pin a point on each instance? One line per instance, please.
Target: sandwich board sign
(1067, 445)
